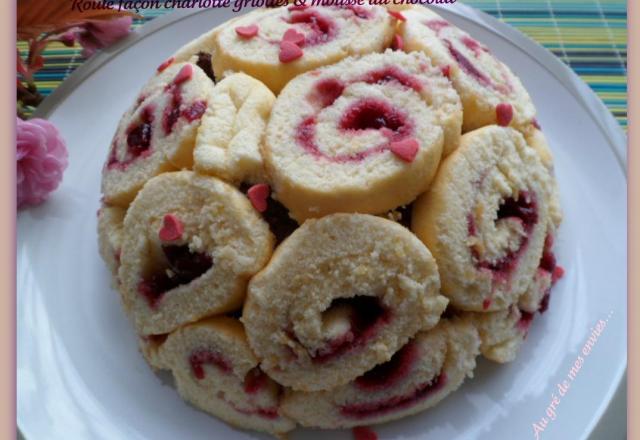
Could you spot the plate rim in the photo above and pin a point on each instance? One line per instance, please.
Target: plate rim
(580, 90)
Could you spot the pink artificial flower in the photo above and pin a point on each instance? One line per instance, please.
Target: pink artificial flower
(98, 34)
(68, 39)
(42, 157)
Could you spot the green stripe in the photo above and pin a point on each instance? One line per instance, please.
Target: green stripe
(589, 35)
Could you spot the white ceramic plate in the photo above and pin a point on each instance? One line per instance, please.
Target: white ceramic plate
(79, 374)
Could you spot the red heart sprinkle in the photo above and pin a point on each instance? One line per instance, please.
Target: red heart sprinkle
(172, 228)
(486, 303)
(446, 71)
(558, 272)
(258, 195)
(398, 42)
(406, 149)
(293, 36)
(185, 74)
(397, 15)
(165, 64)
(298, 7)
(504, 114)
(247, 31)
(289, 51)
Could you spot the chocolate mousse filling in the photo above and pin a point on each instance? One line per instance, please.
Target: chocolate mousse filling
(182, 267)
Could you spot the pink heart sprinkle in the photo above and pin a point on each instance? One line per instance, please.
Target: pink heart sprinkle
(289, 51)
(165, 64)
(172, 228)
(247, 31)
(398, 42)
(258, 195)
(397, 15)
(504, 114)
(293, 36)
(406, 149)
(185, 74)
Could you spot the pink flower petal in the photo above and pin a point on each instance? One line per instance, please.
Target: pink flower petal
(41, 159)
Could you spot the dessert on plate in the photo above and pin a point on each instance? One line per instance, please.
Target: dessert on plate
(322, 216)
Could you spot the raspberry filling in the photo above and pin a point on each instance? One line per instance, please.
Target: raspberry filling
(139, 136)
(365, 114)
(138, 141)
(392, 74)
(174, 110)
(366, 315)
(525, 321)
(255, 380)
(446, 71)
(326, 91)
(548, 261)
(386, 375)
(473, 45)
(505, 87)
(524, 209)
(467, 66)
(202, 356)
(321, 29)
(182, 267)
(372, 409)
(372, 114)
(549, 265)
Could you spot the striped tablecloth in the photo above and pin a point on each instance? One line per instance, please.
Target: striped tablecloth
(588, 35)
